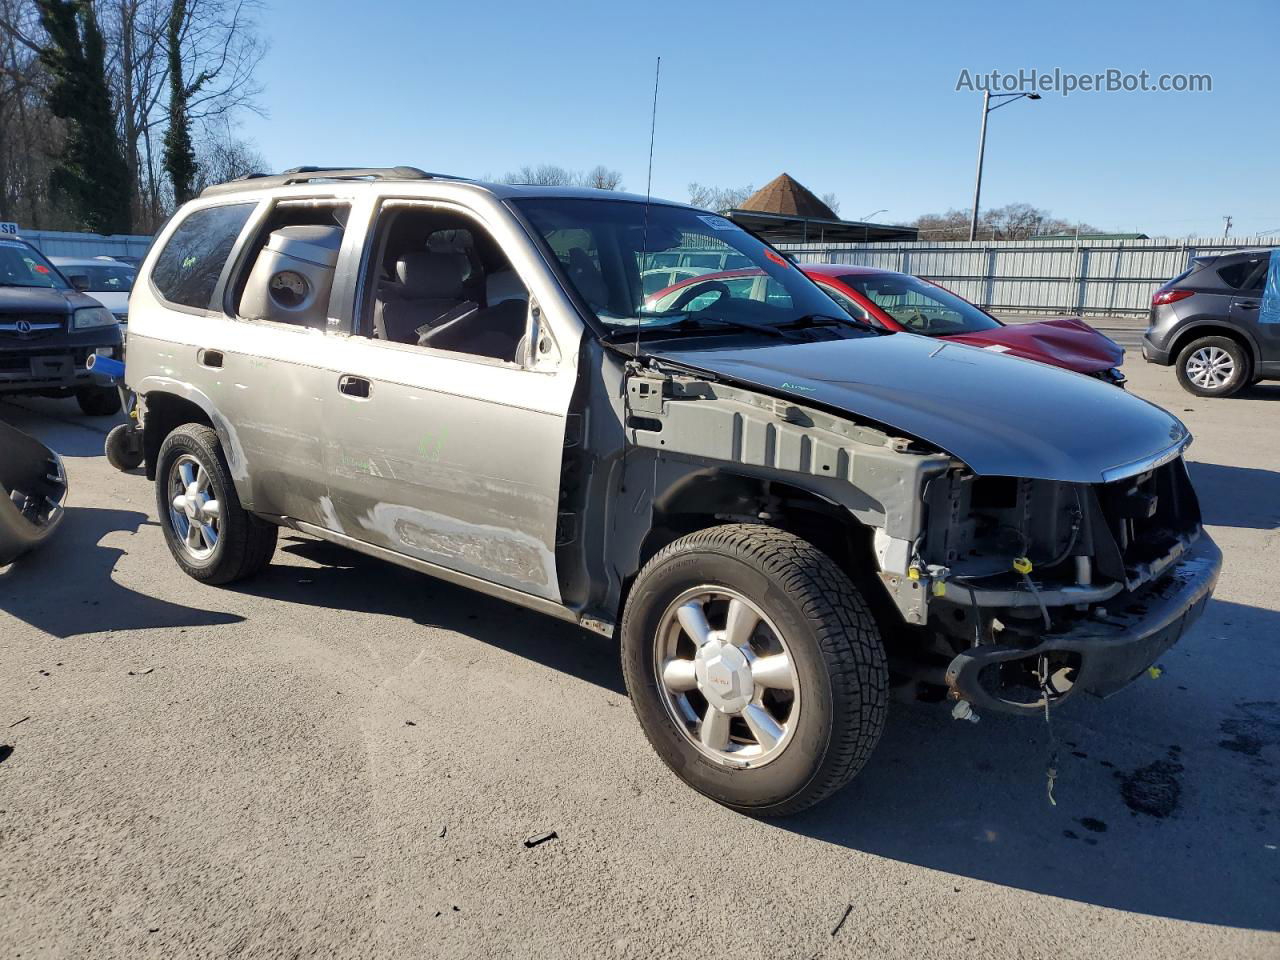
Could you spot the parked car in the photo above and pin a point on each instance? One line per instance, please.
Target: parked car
(901, 302)
(767, 501)
(48, 329)
(33, 492)
(104, 279)
(1218, 323)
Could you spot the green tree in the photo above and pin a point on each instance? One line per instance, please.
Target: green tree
(179, 153)
(90, 175)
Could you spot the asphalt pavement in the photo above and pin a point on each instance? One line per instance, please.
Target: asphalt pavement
(344, 759)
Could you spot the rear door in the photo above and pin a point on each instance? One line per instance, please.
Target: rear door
(446, 456)
(1247, 307)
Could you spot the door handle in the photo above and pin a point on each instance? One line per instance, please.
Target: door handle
(209, 358)
(1247, 304)
(357, 387)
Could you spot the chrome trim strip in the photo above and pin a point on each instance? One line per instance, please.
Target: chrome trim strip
(1147, 463)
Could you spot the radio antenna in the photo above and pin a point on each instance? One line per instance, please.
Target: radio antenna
(648, 193)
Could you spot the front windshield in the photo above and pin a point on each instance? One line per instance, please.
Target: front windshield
(920, 306)
(105, 277)
(693, 266)
(23, 266)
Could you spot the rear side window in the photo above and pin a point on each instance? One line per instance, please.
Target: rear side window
(1237, 275)
(188, 267)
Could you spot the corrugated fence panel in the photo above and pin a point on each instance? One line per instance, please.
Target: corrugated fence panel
(58, 243)
(1037, 276)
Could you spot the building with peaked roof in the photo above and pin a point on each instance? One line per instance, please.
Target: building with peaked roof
(785, 210)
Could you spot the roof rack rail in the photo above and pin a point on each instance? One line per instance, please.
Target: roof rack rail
(295, 175)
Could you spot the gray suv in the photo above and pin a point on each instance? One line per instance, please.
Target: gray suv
(778, 511)
(1218, 323)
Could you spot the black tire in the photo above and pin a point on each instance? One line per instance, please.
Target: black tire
(124, 447)
(1241, 370)
(98, 401)
(834, 645)
(244, 544)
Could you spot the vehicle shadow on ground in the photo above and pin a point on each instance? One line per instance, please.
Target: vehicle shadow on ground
(59, 425)
(1150, 818)
(346, 580)
(1237, 496)
(1261, 391)
(90, 600)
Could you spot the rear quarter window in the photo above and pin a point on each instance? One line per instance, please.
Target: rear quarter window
(187, 270)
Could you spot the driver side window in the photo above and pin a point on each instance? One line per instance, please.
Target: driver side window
(436, 279)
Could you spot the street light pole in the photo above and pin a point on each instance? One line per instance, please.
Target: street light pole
(1004, 98)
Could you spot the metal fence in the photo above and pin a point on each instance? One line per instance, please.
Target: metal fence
(58, 243)
(1090, 277)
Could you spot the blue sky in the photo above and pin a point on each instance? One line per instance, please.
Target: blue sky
(854, 98)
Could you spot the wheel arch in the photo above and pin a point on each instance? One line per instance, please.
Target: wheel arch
(168, 406)
(1198, 329)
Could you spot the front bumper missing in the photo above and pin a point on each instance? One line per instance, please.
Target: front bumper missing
(1106, 654)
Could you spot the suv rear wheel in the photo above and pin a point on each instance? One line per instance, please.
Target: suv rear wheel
(211, 536)
(1213, 367)
(754, 667)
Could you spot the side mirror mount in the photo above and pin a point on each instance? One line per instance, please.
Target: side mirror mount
(79, 281)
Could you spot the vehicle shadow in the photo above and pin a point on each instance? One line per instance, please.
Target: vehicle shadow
(90, 600)
(1237, 496)
(346, 580)
(1260, 391)
(1156, 812)
(59, 425)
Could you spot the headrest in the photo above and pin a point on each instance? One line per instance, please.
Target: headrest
(427, 275)
(587, 278)
(502, 286)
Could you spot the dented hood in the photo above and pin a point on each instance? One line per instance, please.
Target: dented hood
(1001, 415)
(1064, 342)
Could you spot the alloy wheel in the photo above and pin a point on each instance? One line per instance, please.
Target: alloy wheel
(727, 676)
(1210, 368)
(194, 509)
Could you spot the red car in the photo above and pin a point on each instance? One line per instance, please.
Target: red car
(901, 302)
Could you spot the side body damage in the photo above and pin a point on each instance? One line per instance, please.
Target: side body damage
(1008, 591)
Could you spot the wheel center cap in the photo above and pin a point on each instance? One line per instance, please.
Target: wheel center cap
(193, 503)
(724, 676)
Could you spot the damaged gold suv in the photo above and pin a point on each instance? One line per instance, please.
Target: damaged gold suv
(778, 510)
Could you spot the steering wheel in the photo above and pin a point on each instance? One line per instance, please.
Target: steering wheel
(697, 290)
(918, 320)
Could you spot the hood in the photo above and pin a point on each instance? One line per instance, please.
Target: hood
(1001, 415)
(1064, 342)
(42, 300)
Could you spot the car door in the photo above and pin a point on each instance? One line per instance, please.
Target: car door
(1247, 307)
(270, 369)
(448, 457)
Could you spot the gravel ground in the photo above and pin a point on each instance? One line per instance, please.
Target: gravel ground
(343, 759)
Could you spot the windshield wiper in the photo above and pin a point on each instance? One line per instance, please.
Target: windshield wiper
(812, 320)
(694, 321)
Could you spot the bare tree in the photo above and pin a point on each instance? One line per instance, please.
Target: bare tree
(602, 178)
(832, 201)
(222, 156)
(1014, 221)
(718, 198)
(552, 175)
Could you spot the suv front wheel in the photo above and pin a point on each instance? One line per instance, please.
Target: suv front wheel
(1213, 367)
(754, 667)
(212, 537)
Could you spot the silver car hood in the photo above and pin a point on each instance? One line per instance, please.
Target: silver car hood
(1001, 415)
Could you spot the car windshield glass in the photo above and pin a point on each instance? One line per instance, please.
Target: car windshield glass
(920, 306)
(23, 266)
(683, 266)
(104, 277)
